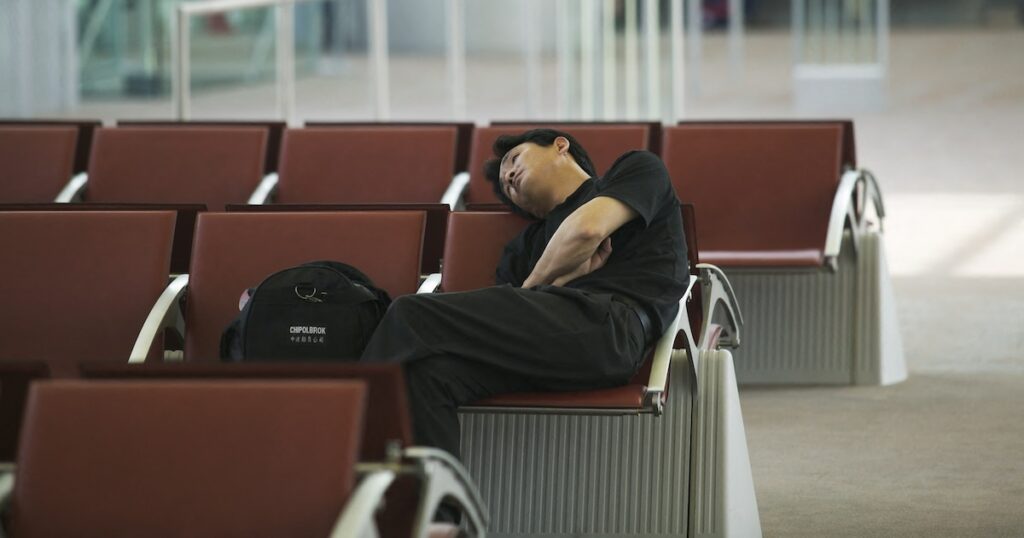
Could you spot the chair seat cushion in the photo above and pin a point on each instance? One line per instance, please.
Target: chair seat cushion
(625, 397)
(764, 258)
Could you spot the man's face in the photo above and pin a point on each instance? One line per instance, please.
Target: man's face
(524, 174)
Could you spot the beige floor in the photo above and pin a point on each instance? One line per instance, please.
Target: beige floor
(939, 455)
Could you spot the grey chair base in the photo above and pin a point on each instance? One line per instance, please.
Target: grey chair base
(820, 327)
(625, 475)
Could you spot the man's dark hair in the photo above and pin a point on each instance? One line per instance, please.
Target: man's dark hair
(541, 137)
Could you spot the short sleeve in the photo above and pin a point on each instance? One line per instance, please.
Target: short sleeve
(640, 180)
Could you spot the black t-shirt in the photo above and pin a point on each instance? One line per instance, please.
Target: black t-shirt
(648, 262)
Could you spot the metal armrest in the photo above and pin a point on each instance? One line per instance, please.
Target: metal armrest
(6, 489)
(845, 210)
(74, 190)
(265, 190)
(717, 291)
(445, 478)
(456, 189)
(664, 352)
(357, 518)
(165, 313)
(430, 284)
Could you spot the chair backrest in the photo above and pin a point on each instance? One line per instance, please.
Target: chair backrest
(653, 127)
(760, 186)
(79, 285)
(473, 249)
(235, 251)
(191, 165)
(386, 402)
(275, 130)
(359, 165)
(35, 162)
(15, 379)
(604, 143)
(172, 458)
(83, 146)
(464, 130)
(184, 223)
(434, 231)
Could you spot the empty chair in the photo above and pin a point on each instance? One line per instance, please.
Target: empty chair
(571, 463)
(359, 165)
(78, 285)
(236, 251)
(387, 435)
(35, 162)
(184, 223)
(464, 133)
(653, 127)
(202, 165)
(604, 143)
(170, 458)
(83, 142)
(275, 131)
(781, 213)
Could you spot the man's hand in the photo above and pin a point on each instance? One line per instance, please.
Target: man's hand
(595, 262)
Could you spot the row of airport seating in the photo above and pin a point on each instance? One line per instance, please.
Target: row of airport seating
(82, 283)
(820, 314)
(785, 211)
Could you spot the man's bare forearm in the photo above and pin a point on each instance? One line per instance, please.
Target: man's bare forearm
(568, 249)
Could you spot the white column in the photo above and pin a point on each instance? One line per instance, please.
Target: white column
(652, 46)
(285, 26)
(381, 85)
(694, 44)
(564, 52)
(609, 71)
(456, 58)
(678, 65)
(531, 51)
(632, 62)
(587, 80)
(736, 28)
(181, 79)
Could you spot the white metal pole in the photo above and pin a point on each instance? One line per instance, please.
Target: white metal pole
(799, 27)
(531, 50)
(456, 59)
(609, 68)
(736, 29)
(286, 60)
(183, 70)
(562, 44)
(678, 66)
(694, 44)
(882, 27)
(71, 65)
(378, 25)
(632, 62)
(587, 80)
(652, 46)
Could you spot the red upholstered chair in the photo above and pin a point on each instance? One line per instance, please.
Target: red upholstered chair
(188, 165)
(235, 251)
(532, 452)
(211, 458)
(275, 131)
(78, 285)
(604, 143)
(359, 165)
(785, 213)
(83, 143)
(387, 434)
(433, 232)
(35, 162)
(464, 130)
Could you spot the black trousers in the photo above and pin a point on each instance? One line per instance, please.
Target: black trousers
(458, 348)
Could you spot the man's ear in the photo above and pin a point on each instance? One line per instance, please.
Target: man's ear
(562, 145)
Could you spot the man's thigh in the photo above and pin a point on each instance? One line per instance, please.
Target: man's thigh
(555, 335)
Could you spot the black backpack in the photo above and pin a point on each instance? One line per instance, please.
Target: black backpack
(320, 310)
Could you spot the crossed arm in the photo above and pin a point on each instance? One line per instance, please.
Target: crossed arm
(582, 243)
